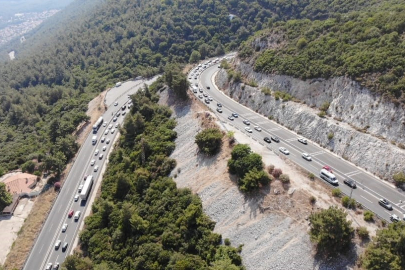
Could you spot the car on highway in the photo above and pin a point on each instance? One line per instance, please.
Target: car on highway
(302, 140)
(71, 212)
(350, 182)
(104, 124)
(104, 147)
(207, 101)
(219, 104)
(117, 125)
(118, 114)
(106, 132)
(103, 138)
(205, 95)
(394, 218)
(76, 197)
(385, 203)
(101, 156)
(64, 227)
(248, 129)
(48, 266)
(64, 246)
(306, 156)
(110, 126)
(235, 115)
(124, 113)
(115, 103)
(267, 139)
(80, 188)
(96, 152)
(210, 98)
(284, 150)
(77, 215)
(129, 102)
(246, 122)
(200, 90)
(56, 266)
(275, 138)
(92, 162)
(195, 78)
(208, 87)
(194, 90)
(112, 131)
(219, 110)
(57, 244)
(328, 168)
(258, 128)
(115, 119)
(96, 168)
(231, 118)
(200, 96)
(107, 141)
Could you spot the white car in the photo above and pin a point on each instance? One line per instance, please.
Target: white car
(104, 147)
(64, 227)
(284, 151)
(306, 156)
(110, 127)
(92, 162)
(104, 124)
(106, 132)
(112, 131)
(96, 168)
(210, 98)
(107, 141)
(76, 198)
(394, 218)
(80, 188)
(248, 129)
(96, 152)
(102, 139)
(258, 128)
(115, 103)
(101, 156)
(115, 119)
(302, 140)
(116, 125)
(48, 266)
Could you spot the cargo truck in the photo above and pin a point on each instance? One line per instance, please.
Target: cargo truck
(88, 183)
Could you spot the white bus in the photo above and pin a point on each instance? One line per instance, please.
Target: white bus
(87, 187)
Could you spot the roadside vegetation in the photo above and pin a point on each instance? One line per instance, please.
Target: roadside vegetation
(5, 196)
(209, 141)
(248, 167)
(141, 220)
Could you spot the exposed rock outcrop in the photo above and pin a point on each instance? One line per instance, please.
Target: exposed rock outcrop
(352, 108)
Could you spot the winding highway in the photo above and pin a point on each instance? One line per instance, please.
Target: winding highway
(369, 188)
(44, 253)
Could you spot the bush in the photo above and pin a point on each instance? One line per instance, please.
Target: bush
(284, 178)
(227, 242)
(349, 202)
(312, 200)
(362, 232)
(253, 179)
(330, 135)
(322, 114)
(282, 95)
(399, 179)
(336, 192)
(266, 91)
(277, 172)
(368, 216)
(311, 176)
(325, 106)
(209, 141)
(270, 169)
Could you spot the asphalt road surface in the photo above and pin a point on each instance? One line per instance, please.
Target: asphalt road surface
(44, 250)
(369, 188)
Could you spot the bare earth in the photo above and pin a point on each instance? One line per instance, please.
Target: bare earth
(272, 228)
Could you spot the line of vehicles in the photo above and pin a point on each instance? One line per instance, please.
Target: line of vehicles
(325, 173)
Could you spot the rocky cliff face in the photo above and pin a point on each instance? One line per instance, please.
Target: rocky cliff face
(352, 108)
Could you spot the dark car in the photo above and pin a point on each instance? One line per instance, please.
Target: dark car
(235, 115)
(267, 139)
(351, 183)
(208, 87)
(384, 203)
(219, 110)
(275, 138)
(123, 107)
(231, 118)
(64, 247)
(207, 101)
(219, 104)
(246, 122)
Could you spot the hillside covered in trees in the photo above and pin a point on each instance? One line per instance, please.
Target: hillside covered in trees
(366, 45)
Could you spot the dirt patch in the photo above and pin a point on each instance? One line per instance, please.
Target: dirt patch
(26, 236)
(272, 224)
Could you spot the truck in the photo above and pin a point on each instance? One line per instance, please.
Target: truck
(88, 183)
(94, 140)
(98, 124)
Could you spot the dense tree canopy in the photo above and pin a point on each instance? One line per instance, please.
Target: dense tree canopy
(209, 140)
(5, 196)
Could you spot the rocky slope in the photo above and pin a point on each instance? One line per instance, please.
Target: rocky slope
(364, 126)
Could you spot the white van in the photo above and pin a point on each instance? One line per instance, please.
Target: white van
(118, 84)
(77, 215)
(329, 177)
(94, 140)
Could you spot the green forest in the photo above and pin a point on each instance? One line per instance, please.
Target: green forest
(364, 45)
(141, 220)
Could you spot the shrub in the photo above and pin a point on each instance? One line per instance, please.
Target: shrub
(336, 192)
(348, 202)
(322, 114)
(284, 178)
(227, 242)
(253, 179)
(266, 91)
(252, 83)
(270, 169)
(209, 141)
(399, 179)
(311, 176)
(277, 172)
(362, 232)
(312, 200)
(282, 95)
(325, 106)
(368, 216)
(330, 135)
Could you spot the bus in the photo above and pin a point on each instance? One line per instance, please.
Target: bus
(98, 124)
(88, 183)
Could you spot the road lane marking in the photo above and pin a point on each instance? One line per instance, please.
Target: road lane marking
(41, 248)
(355, 173)
(366, 199)
(290, 140)
(317, 153)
